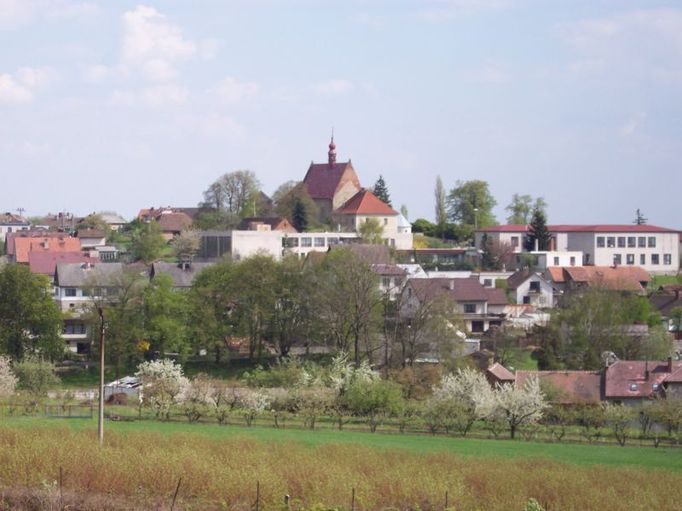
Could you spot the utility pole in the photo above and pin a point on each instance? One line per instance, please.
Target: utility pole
(21, 211)
(100, 420)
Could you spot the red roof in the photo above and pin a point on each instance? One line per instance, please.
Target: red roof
(628, 378)
(33, 233)
(619, 278)
(366, 203)
(556, 273)
(63, 243)
(45, 263)
(582, 228)
(174, 222)
(496, 296)
(322, 179)
(572, 386)
(461, 290)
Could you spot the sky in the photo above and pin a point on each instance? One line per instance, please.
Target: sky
(123, 105)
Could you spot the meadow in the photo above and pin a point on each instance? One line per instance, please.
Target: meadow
(220, 468)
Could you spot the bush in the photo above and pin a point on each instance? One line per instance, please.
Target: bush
(36, 376)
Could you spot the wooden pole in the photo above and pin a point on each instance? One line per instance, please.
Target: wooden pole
(257, 495)
(352, 501)
(175, 495)
(100, 420)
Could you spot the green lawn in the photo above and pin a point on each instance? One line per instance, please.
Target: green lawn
(633, 456)
(662, 280)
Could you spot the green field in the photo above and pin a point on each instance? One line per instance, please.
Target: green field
(579, 454)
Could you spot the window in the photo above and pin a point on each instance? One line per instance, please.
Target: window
(397, 282)
(535, 287)
(655, 387)
(632, 242)
(621, 241)
(385, 221)
(572, 260)
(290, 242)
(633, 387)
(600, 241)
(306, 242)
(526, 300)
(617, 259)
(70, 291)
(514, 241)
(469, 308)
(630, 259)
(611, 242)
(556, 261)
(667, 259)
(477, 326)
(488, 282)
(655, 259)
(642, 259)
(652, 242)
(641, 242)
(332, 241)
(85, 291)
(319, 242)
(386, 281)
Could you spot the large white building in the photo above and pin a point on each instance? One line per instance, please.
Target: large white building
(656, 249)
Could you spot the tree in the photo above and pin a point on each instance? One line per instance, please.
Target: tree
(470, 203)
(538, 232)
(8, 380)
(521, 207)
(497, 254)
(289, 195)
(36, 376)
(639, 218)
(371, 231)
(299, 216)
(148, 242)
(163, 384)
(618, 417)
(381, 190)
(165, 317)
(374, 400)
(440, 203)
(232, 192)
(30, 321)
(520, 405)
(186, 245)
(94, 221)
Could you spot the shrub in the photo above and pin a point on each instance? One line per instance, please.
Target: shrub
(36, 376)
(163, 384)
(8, 380)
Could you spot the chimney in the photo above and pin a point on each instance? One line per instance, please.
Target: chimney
(451, 284)
(646, 370)
(537, 245)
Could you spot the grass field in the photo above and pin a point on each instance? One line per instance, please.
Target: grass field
(141, 464)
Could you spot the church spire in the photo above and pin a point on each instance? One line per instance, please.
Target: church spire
(332, 151)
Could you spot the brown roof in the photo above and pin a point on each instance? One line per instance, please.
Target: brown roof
(501, 373)
(556, 273)
(582, 228)
(174, 222)
(665, 302)
(366, 203)
(572, 386)
(90, 233)
(389, 270)
(460, 290)
(323, 179)
(518, 278)
(45, 263)
(63, 243)
(12, 219)
(674, 377)
(628, 378)
(496, 296)
(619, 278)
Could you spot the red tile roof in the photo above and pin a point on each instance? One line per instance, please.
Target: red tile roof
(583, 228)
(174, 222)
(322, 179)
(572, 386)
(496, 296)
(619, 278)
(32, 233)
(45, 263)
(628, 378)
(556, 273)
(366, 203)
(461, 290)
(63, 243)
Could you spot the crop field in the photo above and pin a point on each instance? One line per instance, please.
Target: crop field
(213, 467)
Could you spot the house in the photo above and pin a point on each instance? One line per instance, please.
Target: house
(440, 258)
(182, 274)
(20, 246)
(480, 307)
(654, 248)
(171, 220)
(531, 288)
(665, 300)
(633, 279)
(567, 387)
(331, 184)
(45, 263)
(91, 238)
(12, 223)
(63, 222)
(497, 374)
(113, 220)
(269, 223)
(631, 381)
(362, 207)
(392, 278)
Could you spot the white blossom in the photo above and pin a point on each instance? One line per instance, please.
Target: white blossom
(8, 381)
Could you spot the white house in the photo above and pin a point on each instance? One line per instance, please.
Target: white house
(531, 288)
(12, 223)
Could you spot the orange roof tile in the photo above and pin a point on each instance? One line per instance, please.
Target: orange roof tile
(365, 203)
(22, 246)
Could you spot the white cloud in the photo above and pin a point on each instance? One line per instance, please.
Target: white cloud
(642, 43)
(20, 86)
(152, 45)
(334, 87)
(232, 91)
(156, 96)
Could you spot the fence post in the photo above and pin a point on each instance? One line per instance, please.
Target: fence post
(175, 495)
(352, 501)
(61, 487)
(286, 501)
(446, 499)
(257, 495)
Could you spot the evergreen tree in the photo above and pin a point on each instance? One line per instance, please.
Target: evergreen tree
(537, 230)
(381, 191)
(299, 216)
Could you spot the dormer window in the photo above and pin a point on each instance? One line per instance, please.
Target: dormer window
(633, 387)
(655, 387)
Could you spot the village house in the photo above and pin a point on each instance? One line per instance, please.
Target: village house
(631, 381)
(667, 300)
(656, 249)
(531, 288)
(580, 278)
(12, 223)
(182, 274)
(21, 244)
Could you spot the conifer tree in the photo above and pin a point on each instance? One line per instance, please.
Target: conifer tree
(299, 216)
(537, 230)
(381, 190)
